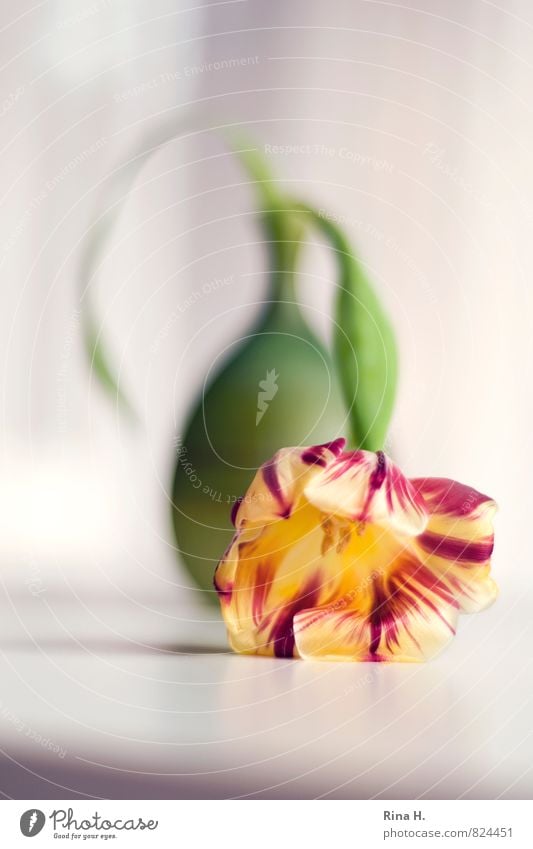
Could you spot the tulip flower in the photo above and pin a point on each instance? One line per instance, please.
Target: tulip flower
(338, 556)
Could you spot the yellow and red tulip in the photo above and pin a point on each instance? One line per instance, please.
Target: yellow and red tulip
(338, 556)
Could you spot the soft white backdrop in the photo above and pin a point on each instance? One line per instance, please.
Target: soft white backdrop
(425, 112)
(413, 125)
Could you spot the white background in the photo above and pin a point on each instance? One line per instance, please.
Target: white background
(444, 229)
(433, 103)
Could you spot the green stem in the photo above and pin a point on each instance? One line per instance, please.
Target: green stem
(364, 344)
(283, 229)
(285, 233)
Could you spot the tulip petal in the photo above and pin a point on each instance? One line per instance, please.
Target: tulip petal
(265, 581)
(224, 578)
(364, 486)
(458, 541)
(410, 617)
(279, 483)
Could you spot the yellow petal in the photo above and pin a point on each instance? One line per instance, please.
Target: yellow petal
(265, 581)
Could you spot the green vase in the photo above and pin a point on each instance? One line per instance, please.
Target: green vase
(277, 388)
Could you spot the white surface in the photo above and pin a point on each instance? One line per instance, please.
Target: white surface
(142, 700)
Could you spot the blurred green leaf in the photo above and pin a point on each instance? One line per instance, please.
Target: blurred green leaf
(114, 196)
(100, 364)
(284, 234)
(364, 344)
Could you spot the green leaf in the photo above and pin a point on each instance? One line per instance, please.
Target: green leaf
(364, 344)
(100, 364)
(117, 190)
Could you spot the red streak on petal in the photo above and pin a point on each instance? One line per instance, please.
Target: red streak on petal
(404, 600)
(224, 593)
(282, 633)
(336, 446)
(315, 454)
(443, 495)
(345, 463)
(235, 509)
(376, 480)
(270, 476)
(378, 475)
(313, 458)
(429, 581)
(263, 582)
(404, 492)
(379, 618)
(457, 550)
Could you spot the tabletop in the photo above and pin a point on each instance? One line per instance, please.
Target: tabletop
(110, 696)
